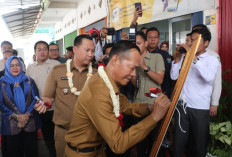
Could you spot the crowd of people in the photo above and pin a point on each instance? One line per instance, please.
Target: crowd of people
(93, 100)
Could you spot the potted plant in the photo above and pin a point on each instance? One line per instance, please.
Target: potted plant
(220, 127)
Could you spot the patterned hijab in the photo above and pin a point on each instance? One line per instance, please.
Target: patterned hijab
(19, 98)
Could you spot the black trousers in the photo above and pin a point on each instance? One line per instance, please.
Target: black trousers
(48, 132)
(195, 140)
(4, 146)
(22, 145)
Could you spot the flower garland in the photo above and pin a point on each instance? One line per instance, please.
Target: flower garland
(114, 97)
(69, 74)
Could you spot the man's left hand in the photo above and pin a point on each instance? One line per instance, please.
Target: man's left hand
(213, 111)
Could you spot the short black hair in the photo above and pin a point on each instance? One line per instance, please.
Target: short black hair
(53, 44)
(153, 29)
(108, 45)
(143, 28)
(70, 48)
(79, 38)
(199, 26)
(143, 35)
(205, 34)
(6, 43)
(121, 48)
(40, 42)
(15, 52)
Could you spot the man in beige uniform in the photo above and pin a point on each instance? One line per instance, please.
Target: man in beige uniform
(94, 118)
(57, 87)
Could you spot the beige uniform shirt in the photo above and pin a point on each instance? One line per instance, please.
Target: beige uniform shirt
(156, 63)
(94, 121)
(39, 73)
(57, 87)
(2, 65)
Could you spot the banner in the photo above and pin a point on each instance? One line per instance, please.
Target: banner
(121, 11)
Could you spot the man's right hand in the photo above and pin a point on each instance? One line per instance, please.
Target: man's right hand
(161, 106)
(136, 15)
(41, 108)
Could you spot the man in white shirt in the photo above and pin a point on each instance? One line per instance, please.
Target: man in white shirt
(194, 104)
(39, 71)
(99, 40)
(217, 83)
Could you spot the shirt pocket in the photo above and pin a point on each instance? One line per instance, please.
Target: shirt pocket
(62, 87)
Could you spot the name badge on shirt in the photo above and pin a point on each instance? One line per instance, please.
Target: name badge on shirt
(65, 91)
(64, 78)
(169, 60)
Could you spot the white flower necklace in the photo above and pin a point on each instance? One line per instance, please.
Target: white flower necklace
(69, 74)
(114, 97)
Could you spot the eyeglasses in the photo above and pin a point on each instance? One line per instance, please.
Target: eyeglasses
(54, 50)
(14, 65)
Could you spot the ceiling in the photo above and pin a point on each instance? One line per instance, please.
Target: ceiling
(56, 11)
(24, 16)
(21, 16)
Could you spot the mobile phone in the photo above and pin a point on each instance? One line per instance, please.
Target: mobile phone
(138, 7)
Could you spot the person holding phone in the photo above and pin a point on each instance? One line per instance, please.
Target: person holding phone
(137, 13)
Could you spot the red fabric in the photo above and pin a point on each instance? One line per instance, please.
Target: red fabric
(155, 90)
(120, 117)
(225, 37)
(101, 64)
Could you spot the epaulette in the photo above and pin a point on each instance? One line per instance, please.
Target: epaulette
(59, 65)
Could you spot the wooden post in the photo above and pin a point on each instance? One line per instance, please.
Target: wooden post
(175, 96)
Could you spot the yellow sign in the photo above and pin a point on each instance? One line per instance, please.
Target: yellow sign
(122, 12)
(210, 20)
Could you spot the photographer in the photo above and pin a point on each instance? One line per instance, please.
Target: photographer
(99, 39)
(105, 57)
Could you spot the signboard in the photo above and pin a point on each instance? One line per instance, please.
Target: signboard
(210, 20)
(121, 12)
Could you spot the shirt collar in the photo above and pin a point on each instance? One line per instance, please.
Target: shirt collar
(46, 62)
(203, 55)
(73, 67)
(148, 54)
(114, 84)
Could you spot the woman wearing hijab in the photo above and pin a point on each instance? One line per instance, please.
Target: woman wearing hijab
(19, 120)
(164, 46)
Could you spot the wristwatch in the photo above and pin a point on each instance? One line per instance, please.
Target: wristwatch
(148, 69)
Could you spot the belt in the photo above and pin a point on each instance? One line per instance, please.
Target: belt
(84, 150)
(62, 127)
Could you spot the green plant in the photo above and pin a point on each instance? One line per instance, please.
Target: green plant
(221, 139)
(220, 126)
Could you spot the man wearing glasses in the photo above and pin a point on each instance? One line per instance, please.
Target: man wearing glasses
(54, 53)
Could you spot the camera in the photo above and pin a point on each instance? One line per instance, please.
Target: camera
(110, 31)
(182, 50)
(94, 33)
(105, 60)
(132, 35)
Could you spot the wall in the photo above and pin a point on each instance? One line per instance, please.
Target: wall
(90, 11)
(68, 25)
(213, 29)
